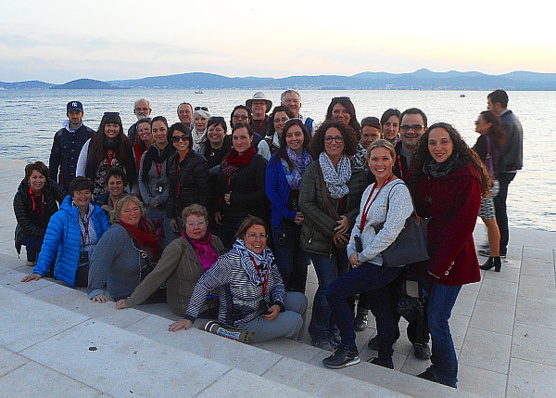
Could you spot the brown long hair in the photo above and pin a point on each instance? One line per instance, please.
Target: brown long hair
(496, 131)
(422, 156)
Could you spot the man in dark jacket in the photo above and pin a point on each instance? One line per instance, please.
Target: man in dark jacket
(511, 160)
(67, 145)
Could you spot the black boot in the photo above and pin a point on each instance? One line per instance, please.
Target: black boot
(492, 262)
(360, 322)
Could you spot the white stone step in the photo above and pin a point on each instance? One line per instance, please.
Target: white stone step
(98, 349)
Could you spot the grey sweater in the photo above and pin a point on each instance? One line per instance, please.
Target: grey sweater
(399, 208)
(115, 264)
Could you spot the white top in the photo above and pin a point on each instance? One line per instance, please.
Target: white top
(399, 209)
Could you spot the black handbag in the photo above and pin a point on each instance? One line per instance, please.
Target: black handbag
(411, 244)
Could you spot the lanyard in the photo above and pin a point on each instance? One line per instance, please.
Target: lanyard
(370, 202)
(85, 235)
(38, 202)
(264, 278)
(158, 167)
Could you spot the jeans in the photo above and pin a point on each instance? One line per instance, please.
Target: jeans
(327, 268)
(286, 324)
(374, 280)
(501, 211)
(441, 301)
(33, 246)
(290, 257)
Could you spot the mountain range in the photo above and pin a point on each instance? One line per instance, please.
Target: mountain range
(422, 79)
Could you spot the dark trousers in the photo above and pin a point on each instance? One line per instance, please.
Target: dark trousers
(33, 246)
(374, 280)
(501, 211)
(290, 257)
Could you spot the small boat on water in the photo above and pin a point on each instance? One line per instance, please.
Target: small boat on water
(462, 95)
(199, 92)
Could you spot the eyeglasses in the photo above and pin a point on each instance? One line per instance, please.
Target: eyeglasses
(338, 139)
(414, 127)
(201, 108)
(177, 138)
(196, 224)
(216, 119)
(255, 236)
(240, 117)
(141, 109)
(283, 120)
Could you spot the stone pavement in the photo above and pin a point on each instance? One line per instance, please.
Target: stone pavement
(55, 342)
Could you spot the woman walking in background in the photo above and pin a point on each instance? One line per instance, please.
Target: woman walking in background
(488, 148)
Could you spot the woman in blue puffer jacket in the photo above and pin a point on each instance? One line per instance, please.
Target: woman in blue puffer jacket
(71, 235)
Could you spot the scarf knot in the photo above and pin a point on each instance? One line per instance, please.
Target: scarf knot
(336, 178)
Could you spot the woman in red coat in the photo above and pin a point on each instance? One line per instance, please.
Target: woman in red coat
(450, 180)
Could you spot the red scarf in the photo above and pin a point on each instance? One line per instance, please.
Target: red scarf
(145, 235)
(234, 161)
(38, 202)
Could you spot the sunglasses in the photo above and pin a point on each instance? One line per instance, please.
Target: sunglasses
(201, 108)
(178, 138)
(111, 113)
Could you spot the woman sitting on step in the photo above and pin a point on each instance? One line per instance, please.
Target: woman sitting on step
(252, 294)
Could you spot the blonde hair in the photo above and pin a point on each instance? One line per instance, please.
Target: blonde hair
(381, 143)
(116, 216)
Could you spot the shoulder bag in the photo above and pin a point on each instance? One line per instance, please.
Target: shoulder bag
(411, 244)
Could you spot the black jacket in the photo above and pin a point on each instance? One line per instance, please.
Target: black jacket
(247, 190)
(65, 152)
(189, 183)
(511, 154)
(29, 221)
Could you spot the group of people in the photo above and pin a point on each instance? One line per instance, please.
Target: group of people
(224, 225)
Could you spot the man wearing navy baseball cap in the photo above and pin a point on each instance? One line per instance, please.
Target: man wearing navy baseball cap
(67, 145)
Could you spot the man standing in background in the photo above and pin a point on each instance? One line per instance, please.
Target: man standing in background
(142, 109)
(511, 160)
(185, 113)
(67, 145)
(259, 106)
(292, 100)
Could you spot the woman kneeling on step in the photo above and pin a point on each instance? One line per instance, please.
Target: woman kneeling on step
(252, 294)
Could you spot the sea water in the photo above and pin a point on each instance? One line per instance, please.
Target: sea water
(29, 119)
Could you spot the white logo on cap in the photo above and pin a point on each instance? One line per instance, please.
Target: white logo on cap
(74, 104)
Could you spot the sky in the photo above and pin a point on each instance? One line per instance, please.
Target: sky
(58, 41)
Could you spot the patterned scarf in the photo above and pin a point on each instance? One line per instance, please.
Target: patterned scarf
(300, 163)
(336, 178)
(203, 249)
(265, 260)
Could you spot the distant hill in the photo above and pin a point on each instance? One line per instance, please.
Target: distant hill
(85, 84)
(422, 79)
(33, 84)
